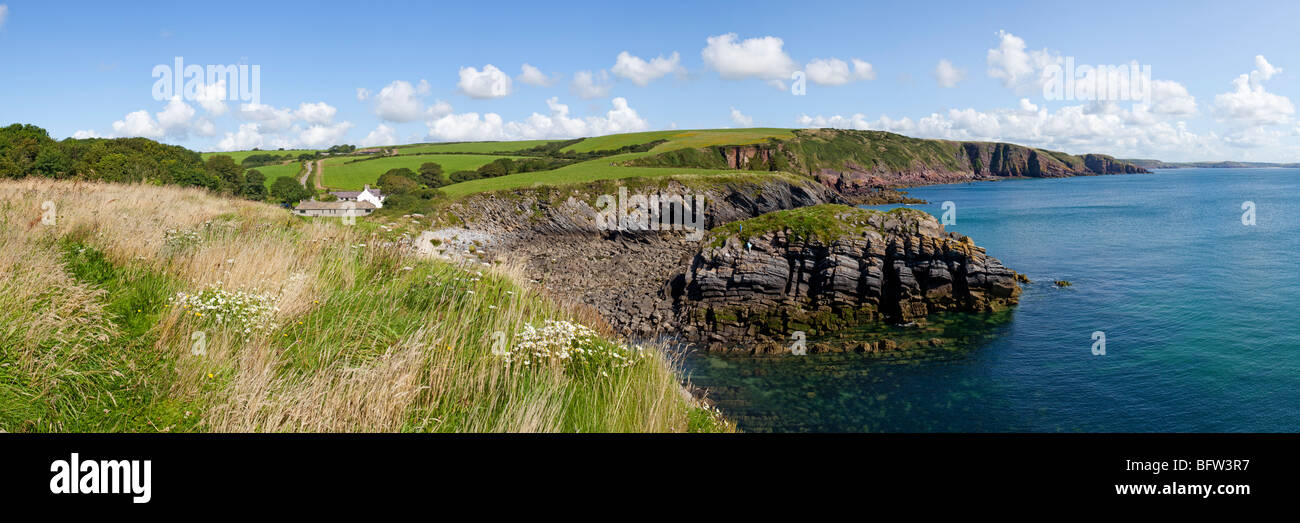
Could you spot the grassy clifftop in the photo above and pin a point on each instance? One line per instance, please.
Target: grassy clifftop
(142, 308)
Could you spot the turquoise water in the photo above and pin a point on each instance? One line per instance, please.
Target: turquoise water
(1199, 313)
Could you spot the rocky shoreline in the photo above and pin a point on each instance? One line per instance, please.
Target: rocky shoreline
(726, 293)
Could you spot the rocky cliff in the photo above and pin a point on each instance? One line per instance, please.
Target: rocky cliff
(857, 163)
(827, 268)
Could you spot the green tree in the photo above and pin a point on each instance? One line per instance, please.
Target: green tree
(51, 161)
(431, 175)
(464, 176)
(394, 182)
(288, 190)
(254, 185)
(224, 168)
(498, 167)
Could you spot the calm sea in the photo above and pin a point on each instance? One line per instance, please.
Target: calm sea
(1200, 313)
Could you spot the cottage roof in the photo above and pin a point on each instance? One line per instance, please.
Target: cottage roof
(313, 205)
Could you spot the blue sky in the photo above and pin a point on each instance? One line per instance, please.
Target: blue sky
(85, 69)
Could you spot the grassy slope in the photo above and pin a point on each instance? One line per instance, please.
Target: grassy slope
(291, 169)
(343, 175)
(365, 336)
(602, 168)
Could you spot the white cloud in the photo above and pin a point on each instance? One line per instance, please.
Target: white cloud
(423, 88)
(138, 123)
(437, 110)
(1106, 128)
(1171, 98)
(267, 117)
(741, 119)
(558, 124)
(641, 72)
(533, 76)
(212, 97)
(322, 136)
(1019, 69)
(761, 58)
(83, 134)
(1249, 103)
(248, 136)
(316, 113)
(834, 71)
(947, 74)
(4, 14)
(362, 94)
(588, 85)
(398, 102)
(488, 83)
(382, 135)
(173, 121)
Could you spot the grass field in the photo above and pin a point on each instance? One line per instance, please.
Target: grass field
(353, 176)
(470, 147)
(601, 168)
(272, 172)
(681, 139)
(162, 309)
(239, 156)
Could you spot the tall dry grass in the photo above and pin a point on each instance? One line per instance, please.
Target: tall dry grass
(367, 335)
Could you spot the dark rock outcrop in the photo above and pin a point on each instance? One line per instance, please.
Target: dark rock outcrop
(752, 294)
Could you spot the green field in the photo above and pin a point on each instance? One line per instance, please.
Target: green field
(681, 139)
(353, 176)
(238, 156)
(291, 169)
(601, 168)
(588, 171)
(470, 147)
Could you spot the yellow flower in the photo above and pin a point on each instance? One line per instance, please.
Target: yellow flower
(209, 374)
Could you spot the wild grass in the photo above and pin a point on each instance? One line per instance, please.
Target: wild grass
(362, 334)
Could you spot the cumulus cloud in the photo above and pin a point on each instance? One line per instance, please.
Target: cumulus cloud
(1081, 128)
(382, 135)
(1171, 98)
(557, 124)
(947, 74)
(322, 136)
(212, 97)
(175, 120)
(399, 102)
(741, 119)
(588, 85)
(833, 71)
(1249, 103)
(316, 113)
(1017, 68)
(487, 83)
(641, 72)
(267, 117)
(762, 58)
(362, 94)
(4, 14)
(531, 75)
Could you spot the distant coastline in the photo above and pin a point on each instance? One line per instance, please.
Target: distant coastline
(1157, 164)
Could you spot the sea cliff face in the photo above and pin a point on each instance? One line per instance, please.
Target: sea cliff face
(860, 163)
(833, 268)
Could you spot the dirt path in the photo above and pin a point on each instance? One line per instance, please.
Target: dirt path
(303, 181)
(320, 174)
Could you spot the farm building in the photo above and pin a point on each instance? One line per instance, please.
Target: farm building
(340, 209)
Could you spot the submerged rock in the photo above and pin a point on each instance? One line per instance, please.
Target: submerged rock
(826, 268)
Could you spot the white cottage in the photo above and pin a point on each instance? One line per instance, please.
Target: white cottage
(374, 196)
